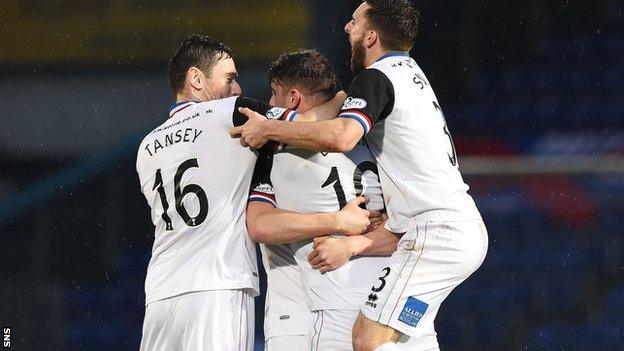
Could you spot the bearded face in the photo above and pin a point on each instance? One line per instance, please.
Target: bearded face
(358, 56)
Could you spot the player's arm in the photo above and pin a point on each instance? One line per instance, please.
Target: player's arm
(268, 224)
(331, 253)
(336, 135)
(371, 98)
(380, 242)
(264, 112)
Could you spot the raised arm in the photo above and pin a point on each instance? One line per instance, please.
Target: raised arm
(334, 135)
(371, 98)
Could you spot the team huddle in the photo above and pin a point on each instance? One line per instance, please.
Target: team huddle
(363, 219)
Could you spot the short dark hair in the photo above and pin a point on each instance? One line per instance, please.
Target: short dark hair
(306, 69)
(196, 50)
(396, 22)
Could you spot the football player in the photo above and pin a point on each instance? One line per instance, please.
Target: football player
(202, 276)
(307, 181)
(392, 105)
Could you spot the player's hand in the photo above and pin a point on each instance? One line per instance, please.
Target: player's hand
(330, 253)
(353, 220)
(377, 219)
(252, 132)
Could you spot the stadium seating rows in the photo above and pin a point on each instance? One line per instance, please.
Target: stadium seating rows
(576, 84)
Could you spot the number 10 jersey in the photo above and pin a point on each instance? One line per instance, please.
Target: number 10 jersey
(307, 181)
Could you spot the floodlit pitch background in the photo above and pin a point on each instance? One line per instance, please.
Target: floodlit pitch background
(532, 92)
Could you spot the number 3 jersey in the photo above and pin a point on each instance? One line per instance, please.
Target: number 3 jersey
(407, 133)
(195, 178)
(310, 182)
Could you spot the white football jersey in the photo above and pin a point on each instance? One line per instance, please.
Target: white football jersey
(195, 178)
(310, 182)
(407, 133)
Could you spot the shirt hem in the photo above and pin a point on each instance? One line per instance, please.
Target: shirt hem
(267, 336)
(334, 307)
(232, 286)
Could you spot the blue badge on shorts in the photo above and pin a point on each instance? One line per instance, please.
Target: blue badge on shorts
(413, 311)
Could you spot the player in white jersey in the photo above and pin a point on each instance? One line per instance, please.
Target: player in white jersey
(202, 276)
(306, 181)
(393, 106)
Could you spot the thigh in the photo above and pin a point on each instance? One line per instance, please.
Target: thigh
(369, 335)
(287, 343)
(430, 262)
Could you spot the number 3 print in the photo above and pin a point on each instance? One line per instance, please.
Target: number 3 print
(382, 280)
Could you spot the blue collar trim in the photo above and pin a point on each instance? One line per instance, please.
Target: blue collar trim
(392, 54)
(174, 105)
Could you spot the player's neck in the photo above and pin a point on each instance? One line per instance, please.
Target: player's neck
(182, 97)
(305, 104)
(308, 102)
(188, 96)
(373, 54)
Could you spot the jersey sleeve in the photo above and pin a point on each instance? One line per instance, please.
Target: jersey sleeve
(238, 119)
(261, 187)
(371, 99)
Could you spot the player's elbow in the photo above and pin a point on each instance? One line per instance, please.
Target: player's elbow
(258, 220)
(256, 231)
(339, 142)
(344, 145)
(256, 235)
(343, 135)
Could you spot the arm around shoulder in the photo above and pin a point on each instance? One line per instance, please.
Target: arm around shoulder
(346, 134)
(336, 135)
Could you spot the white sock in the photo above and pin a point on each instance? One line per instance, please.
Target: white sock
(389, 346)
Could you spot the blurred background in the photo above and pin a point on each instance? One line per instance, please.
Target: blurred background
(532, 91)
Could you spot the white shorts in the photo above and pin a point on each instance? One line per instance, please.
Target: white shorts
(430, 261)
(287, 343)
(331, 330)
(206, 320)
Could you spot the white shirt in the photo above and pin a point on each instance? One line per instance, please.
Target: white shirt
(195, 178)
(407, 133)
(309, 182)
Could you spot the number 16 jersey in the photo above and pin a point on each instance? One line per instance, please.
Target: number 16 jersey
(195, 178)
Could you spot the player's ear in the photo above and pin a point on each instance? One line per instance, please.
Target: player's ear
(196, 78)
(295, 99)
(370, 38)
